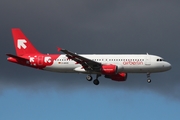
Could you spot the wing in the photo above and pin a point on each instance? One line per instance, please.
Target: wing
(88, 65)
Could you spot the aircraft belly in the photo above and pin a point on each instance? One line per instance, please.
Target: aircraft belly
(76, 68)
(142, 69)
(134, 70)
(62, 68)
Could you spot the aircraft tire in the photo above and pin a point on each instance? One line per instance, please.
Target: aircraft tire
(89, 78)
(96, 82)
(149, 80)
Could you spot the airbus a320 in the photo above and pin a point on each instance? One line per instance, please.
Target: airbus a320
(111, 66)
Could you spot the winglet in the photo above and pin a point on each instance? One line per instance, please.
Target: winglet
(59, 49)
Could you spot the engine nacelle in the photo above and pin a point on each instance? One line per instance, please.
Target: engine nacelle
(109, 69)
(117, 77)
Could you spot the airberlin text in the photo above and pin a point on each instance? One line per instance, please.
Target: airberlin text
(132, 63)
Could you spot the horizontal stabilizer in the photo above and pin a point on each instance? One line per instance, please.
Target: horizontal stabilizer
(16, 57)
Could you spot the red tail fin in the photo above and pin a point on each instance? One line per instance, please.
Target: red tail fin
(22, 45)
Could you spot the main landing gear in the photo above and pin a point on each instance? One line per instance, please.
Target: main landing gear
(148, 78)
(89, 78)
(96, 81)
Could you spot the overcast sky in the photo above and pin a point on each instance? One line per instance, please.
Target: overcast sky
(83, 26)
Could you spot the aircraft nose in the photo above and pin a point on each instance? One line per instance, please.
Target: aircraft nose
(168, 66)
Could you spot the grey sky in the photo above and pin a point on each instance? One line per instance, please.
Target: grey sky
(84, 26)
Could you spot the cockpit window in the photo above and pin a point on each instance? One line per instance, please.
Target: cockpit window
(160, 59)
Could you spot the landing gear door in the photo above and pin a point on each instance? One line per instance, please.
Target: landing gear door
(148, 60)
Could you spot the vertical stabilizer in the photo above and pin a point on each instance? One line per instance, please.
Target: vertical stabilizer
(22, 45)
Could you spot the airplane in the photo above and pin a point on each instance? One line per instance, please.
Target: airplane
(113, 66)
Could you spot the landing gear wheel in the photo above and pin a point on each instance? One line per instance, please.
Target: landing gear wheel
(96, 82)
(149, 80)
(89, 77)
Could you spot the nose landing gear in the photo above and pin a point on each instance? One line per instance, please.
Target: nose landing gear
(148, 78)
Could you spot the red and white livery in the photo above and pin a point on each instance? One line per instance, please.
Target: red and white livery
(112, 66)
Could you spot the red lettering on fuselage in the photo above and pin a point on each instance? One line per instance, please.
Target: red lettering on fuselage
(132, 63)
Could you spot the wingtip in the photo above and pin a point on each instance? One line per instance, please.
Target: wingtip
(59, 49)
(15, 29)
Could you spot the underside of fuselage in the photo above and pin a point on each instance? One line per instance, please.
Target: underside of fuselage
(80, 69)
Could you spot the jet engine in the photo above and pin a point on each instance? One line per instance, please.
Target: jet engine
(117, 77)
(108, 69)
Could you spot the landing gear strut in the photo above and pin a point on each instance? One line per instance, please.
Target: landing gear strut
(148, 78)
(96, 81)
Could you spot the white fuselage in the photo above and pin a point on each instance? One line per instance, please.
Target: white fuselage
(129, 63)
